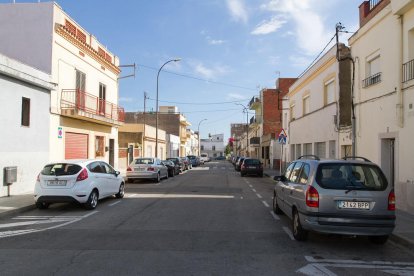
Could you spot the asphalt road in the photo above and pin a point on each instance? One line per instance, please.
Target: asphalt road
(207, 221)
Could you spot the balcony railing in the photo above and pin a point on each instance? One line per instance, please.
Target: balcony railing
(408, 71)
(255, 141)
(371, 80)
(80, 101)
(373, 3)
(254, 103)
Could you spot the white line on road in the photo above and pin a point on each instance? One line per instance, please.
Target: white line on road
(116, 202)
(265, 204)
(181, 196)
(247, 181)
(130, 195)
(276, 217)
(259, 195)
(287, 230)
(7, 208)
(254, 190)
(250, 186)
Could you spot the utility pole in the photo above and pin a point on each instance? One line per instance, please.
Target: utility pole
(143, 135)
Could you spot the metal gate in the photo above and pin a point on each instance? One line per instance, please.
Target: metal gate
(76, 145)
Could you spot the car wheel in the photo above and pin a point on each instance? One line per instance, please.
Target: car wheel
(299, 233)
(276, 208)
(92, 200)
(130, 180)
(378, 239)
(121, 192)
(42, 205)
(158, 179)
(260, 175)
(242, 174)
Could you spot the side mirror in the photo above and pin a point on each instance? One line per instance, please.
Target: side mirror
(279, 178)
(117, 173)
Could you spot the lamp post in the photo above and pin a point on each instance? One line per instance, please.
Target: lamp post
(245, 109)
(156, 105)
(198, 131)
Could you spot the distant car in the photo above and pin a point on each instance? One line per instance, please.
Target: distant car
(187, 163)
(348, 197)
(82, 181)
(251, 166)
(178, 163)
(195, 161)
(204, 157)
(146, 168)
(220, 158)
(238, 163)
(173, 170)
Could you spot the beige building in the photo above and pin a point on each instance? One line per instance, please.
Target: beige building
(319, 112)
(138, 140)
(384, 70)
(84, 111)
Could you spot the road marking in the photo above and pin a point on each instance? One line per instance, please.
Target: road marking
(276, 217)
(259, 195)
(247, 181)
(181, 196)
(131, 195)
(112, 204)
(223, 168)
(7, 208)
(287, 230)
(241, 197)
(254, 190)
(319, 266)
(250, 186)
(265, 204)
(64, 219)
(201, 168)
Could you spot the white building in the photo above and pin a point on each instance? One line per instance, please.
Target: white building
(384, 68)
(173, 146)
(320, 108)
(24, 142)
(214, 146)
(84, 116)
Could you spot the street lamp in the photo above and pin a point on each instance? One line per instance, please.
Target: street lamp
(198, 131)
(156, 105)
(245, 109)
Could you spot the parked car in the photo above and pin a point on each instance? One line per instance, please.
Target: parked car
(172, 168)
(238, 163)
(178, 163)
(195, 161)
(187, 163)
(349, 197)
(204, 157)
(146, 168)
(81, 181)
(251, 166)
(234, 160)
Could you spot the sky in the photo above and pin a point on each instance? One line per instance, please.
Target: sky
(229, 49)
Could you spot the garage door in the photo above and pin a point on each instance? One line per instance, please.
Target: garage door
(76, 146)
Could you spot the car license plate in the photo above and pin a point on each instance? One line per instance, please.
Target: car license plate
(353, 205)
(56, 183)
(139, 169)
(251, 167)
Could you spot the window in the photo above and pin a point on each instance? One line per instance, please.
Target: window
(306, 104)
(307, 149)
(373, 71)
(102, 98)
(289, 170)
(320, 149)
(303, 179)
(332, 149)
(213, 147)
(80, 90)
(201, 147)
(95, 167)
(329, 90)
(298, 150)
(294, 176)
(99, 146)
(25, 112)
(107, 167)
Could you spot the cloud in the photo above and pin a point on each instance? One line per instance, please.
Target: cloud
(300, 61)
(310, 31)
(125, 99)
(236, 96)
(215, 41)
(209, 72)
(238, 10)
(267, 27)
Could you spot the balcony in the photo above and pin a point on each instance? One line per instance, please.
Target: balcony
(408, 71)
(254, 141)
(371, 80)
(254, 103)
(84, 106)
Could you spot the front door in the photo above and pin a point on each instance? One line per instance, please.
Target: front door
(102, 99)
(111, 152)
(80, 90)
(388, 159)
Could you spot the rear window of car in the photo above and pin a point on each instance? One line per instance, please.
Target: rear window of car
(251, 162)
(61, 169)
(191, 157)
(144, 161)
(343, 176)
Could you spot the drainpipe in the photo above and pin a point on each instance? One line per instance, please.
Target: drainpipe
(400, 96)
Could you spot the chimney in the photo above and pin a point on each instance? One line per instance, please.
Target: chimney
(368, 9)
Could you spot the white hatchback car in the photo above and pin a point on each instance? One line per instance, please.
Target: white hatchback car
(82, 181)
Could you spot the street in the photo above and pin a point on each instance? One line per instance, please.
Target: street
(207, 221)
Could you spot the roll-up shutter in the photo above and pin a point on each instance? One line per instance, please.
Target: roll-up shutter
(76, 145)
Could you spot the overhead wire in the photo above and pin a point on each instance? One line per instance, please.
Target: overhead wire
(195, 103)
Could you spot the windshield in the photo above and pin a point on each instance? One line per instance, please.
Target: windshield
(144, 161)
(344, 176)
(61, 169)
(251, 162)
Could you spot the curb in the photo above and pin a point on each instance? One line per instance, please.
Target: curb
(19, 210)
(398, 239)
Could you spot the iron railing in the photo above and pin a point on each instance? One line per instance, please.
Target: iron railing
(80, 100)
(255, 141)
(371, 80)
(408, 71)
(373, 3)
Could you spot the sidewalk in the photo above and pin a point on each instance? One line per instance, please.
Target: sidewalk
(403, 232)
(404, 229)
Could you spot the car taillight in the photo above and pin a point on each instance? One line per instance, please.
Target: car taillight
(151, 169)
(83, 175)
(129, 169)
(242, 167)
(391, 201)
(312, 197)
(38, 178)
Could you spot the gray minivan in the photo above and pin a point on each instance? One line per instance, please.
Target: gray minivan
(349, 197)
